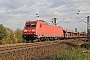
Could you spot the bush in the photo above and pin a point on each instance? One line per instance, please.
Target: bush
(86, 45)
(0, 41)
(74, 54)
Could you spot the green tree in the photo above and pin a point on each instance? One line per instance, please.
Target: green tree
(9, 38)
(18, 35)
(12, 36)
(2, 32)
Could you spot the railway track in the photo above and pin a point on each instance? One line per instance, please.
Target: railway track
(22, 46)
(28, 51)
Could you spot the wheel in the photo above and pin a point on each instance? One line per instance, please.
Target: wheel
(32, 41)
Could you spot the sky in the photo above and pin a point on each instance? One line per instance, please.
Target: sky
(14, 13)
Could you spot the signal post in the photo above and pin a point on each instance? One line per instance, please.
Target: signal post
(88, 28)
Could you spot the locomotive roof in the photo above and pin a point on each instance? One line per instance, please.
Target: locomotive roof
(41, 21)
(34, 20)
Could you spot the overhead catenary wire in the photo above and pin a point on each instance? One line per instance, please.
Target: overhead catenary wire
(71, 5)
(7, 5)
(59, 8)
(14, 7)
(55, 5)
(27, 12)
(64, 11)
(11, 7)
(36, 8)
(15, 2)
(48, 5)
(67, 5)
(52, 7)
(19, 4)
(26, 7)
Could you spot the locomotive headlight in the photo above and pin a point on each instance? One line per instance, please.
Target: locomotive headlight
(33, 30)
(25, 30)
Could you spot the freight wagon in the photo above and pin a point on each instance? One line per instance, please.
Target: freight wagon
(73, 35)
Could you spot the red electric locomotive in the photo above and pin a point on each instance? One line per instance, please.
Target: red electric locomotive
(40, 30)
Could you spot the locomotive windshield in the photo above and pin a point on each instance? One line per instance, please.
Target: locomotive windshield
(31, 25)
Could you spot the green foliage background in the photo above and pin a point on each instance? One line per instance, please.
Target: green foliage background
(2, 32)
(73, 54)
(8, 36)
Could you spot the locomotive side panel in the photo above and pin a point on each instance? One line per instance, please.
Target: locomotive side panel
(45, 30)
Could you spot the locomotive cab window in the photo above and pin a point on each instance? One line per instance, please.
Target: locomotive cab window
(27, 25)
(40, 25)
(31, 25)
